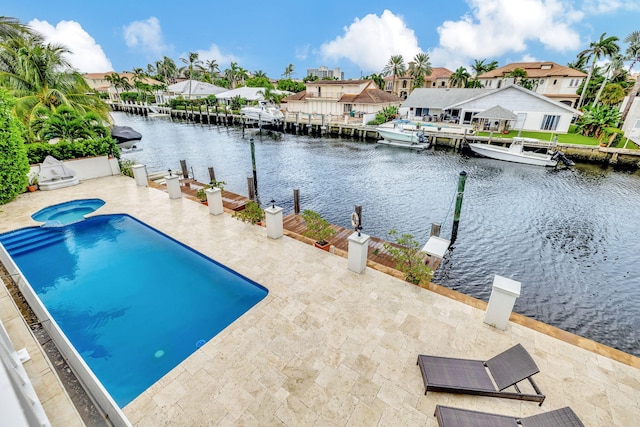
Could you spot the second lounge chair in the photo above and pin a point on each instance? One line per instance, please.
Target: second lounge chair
(456, 417)
(464, 376)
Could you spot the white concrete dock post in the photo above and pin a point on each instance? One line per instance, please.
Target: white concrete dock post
(358, 251)
(435, 247)
(140, 175)
(214, 200)
(503, 298)
(173, 186)
(273, 217)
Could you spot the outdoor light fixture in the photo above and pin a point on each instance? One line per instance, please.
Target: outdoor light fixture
(170, 172)
(273, 204)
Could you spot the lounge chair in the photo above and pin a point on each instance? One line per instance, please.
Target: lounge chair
(464, 376)
(455, 417)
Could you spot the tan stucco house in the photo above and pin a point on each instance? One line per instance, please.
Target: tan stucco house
(340, 97)
(552, 80)
(439, 78)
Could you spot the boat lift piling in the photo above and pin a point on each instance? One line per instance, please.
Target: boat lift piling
(212, 174)
(253, 164)
(456, 216)
(296, 201)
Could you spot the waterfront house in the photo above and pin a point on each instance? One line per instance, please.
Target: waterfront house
(534, 112)
(552, 80)
(631, 125)
(99, 83)
(248, 93)
(439, 78)
(194, 88)
(340, 97)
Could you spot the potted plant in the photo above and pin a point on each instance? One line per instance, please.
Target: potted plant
(318, 229)
(33, 182)
(202, 195)
(252, 213)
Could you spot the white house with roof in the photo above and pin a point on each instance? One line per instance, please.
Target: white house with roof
(248, 93)
(533, 112)
(196, 88)
(339, 97)
(552, 80)
(631, 125)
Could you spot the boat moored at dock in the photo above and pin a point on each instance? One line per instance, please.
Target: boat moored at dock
(541, 154)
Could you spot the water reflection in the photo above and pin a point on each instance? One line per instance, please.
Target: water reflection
(569, 235)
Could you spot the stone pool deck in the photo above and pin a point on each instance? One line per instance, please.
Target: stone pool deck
(329, 347)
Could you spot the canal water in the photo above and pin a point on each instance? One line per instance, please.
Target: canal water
(570, 236)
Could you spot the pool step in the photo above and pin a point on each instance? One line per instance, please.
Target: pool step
(30, 239)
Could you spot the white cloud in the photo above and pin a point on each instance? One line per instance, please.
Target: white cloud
(597, 7)
(223, 60)
(146, 35)
(497, 27)
(86, 55)
(370, 42)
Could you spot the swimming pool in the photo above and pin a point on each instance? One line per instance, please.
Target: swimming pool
(133, 302)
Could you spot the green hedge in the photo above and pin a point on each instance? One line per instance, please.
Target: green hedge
(37, 152)
(13, 159)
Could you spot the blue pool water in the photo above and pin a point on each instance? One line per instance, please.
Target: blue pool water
(67, 212)
(133, 302)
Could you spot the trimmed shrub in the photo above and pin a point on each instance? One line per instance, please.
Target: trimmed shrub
(63, 150)
(14, 166)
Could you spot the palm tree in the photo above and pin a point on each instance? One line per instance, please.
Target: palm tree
(288, 72)
(168, 69)
(478, 67)
(395, 67)
(117, 81)
(40, 78)
(11, 27)
(460, 77)
(603, 47)
(420, 68)
(191, 60)
(632, 54)
(613, 69)
(67, 124)
(211, 65)
(259, 73)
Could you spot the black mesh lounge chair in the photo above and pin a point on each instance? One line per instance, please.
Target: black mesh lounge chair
(463, 376)
(455, 417)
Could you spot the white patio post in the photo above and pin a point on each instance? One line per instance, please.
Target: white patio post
(273, 217)
(214, 199)
(173, 186)
(140, 175)
(358, 251)
(503, 298)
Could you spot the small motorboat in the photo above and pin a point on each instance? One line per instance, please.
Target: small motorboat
(516, 152)
(263, 112)
(403, 134)
(125, 136)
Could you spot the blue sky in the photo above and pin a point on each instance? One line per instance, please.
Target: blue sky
(357, 36)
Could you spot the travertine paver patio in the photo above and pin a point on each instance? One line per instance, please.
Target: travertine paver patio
(328, 346)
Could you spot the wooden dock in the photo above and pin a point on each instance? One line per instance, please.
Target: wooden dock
(378, 257)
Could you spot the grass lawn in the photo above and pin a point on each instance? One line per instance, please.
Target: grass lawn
(569, 138)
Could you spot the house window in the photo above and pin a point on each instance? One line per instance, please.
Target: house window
(489, 83)
(348, 108)
(404, 84)
(434, 84)
(550, 122)
(499, 84)
(541, 81)
(319, 92)
(442, 84)
(555, 81)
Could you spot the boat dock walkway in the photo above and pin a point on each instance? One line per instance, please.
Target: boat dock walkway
(378, 256)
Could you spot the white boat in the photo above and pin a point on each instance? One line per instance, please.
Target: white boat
(516, 152)
(401, 135)
(263, 112)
